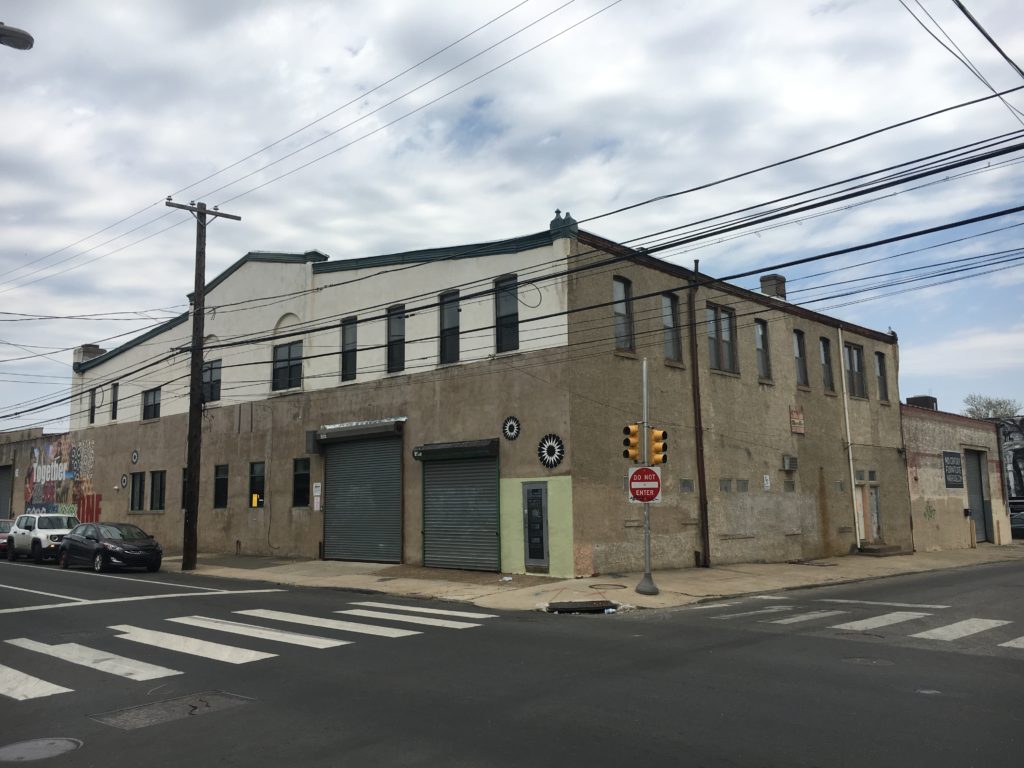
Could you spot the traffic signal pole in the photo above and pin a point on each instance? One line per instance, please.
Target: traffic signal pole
(646, 585)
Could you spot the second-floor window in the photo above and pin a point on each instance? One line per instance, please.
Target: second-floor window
(764, 360)
(211, 381)
(92, 406)
(670, 324)
(622, 313)
(113, 401)
(882, 376)
(396, 338)
(722, 338)
(349, 345)
(449, 327)
(828, 380)
(853, 360)
(151, 404)
(287, 366)
(506, 314)
(800, 356)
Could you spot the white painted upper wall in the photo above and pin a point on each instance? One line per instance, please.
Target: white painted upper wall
(261, 299)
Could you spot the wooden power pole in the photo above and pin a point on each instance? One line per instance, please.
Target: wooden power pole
(190, 538)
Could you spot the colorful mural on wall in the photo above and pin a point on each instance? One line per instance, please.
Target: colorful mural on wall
(59, 478)
(1011, 434)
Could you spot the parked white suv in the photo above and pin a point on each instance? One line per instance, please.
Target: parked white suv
(38, 535)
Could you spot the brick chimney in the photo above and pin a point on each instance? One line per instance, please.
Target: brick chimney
(773, 285)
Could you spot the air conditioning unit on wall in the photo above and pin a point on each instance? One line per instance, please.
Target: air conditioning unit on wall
(789, 463)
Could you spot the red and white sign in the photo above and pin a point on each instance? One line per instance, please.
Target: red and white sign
(645, 485)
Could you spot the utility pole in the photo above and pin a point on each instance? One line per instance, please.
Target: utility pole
(646, 585)
(190, 538)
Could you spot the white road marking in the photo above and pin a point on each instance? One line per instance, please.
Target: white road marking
(316, 621)
(710, 605)
(768, 597)
(1018, 643)
(884, 620)
(446, 623)
(110, 600)
(960, 629)
(104, 661)
(805, 617)
(138, 580)
(190, 645)
(38, 592)
(19, 686)
(758, 612)
(432, 611)
(886, 605)
(264, 633)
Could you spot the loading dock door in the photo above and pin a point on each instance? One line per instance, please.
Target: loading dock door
(363, 504)
(460, 514)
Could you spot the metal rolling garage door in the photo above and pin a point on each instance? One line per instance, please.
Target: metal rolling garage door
(363, 505)
(460, 514)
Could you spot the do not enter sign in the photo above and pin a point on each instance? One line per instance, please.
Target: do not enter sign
(645, 485)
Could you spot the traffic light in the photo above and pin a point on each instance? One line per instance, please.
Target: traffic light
(632, 442)
(657, 446)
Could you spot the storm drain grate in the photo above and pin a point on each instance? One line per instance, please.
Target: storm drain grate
(166, 711)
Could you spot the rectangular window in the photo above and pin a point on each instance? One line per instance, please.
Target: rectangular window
(211, 381)
(721, 338)
(882, 376)
(287, 366)
(622, 313)
(789, 486)
(686, 485)
(725, 484)
(113, 401)
(151, 404)
(800, 355)
(349, 344)
(449, 328)
(256, 484)
(300, 483)
(670, 325)
(506, 314)
(764, 360)
(742, 486)
(220, 486)
(396, 338)
(92, 406)
(827, 379)
(138, 499)
(853, 360)
(157, 490)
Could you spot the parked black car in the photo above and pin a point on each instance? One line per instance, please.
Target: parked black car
(107, 545)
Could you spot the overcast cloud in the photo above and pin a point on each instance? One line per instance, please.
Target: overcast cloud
(122, 103)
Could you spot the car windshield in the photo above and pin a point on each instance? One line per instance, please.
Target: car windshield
(123, 531)
(56, 522)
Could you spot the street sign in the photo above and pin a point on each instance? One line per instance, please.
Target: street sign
(645, 485)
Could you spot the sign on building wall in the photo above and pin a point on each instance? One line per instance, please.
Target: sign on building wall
(953, 468)
(796, 420)
(59, 478)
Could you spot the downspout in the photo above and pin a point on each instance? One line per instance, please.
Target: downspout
(698, 424)
(858, 524)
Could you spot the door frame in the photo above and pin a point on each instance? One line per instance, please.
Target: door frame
(532, 563)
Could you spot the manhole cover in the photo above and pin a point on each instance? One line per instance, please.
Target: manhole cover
(607, 586)
(869, 662)
(37, 749)
(171, 709)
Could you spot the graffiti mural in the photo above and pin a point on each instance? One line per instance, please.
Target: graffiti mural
(59, 478)
(1011, 433)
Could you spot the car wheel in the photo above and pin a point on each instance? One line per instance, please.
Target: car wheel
(153, 567)
(37, 552)
(62, 558)
(99, 563)
(12, 553)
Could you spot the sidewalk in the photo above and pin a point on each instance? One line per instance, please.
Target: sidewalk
(529, 592)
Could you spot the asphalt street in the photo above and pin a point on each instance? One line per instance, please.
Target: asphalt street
(175, 669)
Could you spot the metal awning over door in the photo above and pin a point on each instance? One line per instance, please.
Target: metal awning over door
(460, 506)
(363, 504)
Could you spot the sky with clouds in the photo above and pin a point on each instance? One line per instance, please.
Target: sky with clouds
(362, 128)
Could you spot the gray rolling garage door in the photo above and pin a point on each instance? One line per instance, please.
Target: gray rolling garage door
(460, 514)
(363, 505)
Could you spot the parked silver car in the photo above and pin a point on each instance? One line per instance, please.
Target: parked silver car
(38, 535)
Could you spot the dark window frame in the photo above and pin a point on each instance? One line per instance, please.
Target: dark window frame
(800, 359)
(287, 366)
(157, 490)
(763, 350)
(137, 500)
(721, 350)
(506, 314)
(300, 482)
(448, 327)
(349, 348)
(673, 334)
(220, 486)
(853, 368)
(622, 314)
(395, 341)
(882, 377)
(211, 381)
(151, 404)
(257, 484)
(92, 405)
(113, 400)
(828, 379)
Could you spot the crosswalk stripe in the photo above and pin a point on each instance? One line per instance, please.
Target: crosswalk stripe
(960, 629)
(19, 686)
(431, 611)
(190, 645)
(1017, 643)
(884, 620)
(446, 623)
(263, 633)
(805, 617)
(104, 661)
(758, 612)
(316, 621)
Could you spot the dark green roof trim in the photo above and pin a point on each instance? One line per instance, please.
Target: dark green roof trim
(494, 248)
(150, 334)
(267, 257)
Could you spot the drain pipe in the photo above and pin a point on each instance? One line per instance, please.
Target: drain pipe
(857, 522)
(698, 423)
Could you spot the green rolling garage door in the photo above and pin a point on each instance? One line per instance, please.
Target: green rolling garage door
(460, 514)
